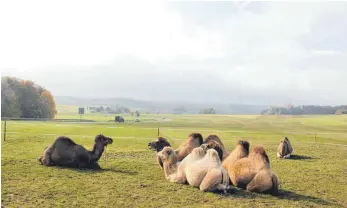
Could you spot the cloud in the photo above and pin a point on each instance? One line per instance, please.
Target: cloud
(257, 52)
(42, 33)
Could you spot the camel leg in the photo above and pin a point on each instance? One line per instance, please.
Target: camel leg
(93, 166)
(178, 178)
(160, 162)
(212, 181)
(83, 165)
(261, 182)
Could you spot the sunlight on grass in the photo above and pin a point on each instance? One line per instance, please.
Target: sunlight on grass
(315, 177)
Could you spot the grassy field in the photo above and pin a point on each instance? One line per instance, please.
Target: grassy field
(315, 177)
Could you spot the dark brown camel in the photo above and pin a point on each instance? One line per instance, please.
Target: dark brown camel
(65, 152)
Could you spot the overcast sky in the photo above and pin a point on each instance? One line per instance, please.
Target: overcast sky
(246, 53)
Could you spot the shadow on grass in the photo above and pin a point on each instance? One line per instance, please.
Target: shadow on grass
(97, 169)
(300, 157)
(289, 195)
(298, 197)
(129, 172)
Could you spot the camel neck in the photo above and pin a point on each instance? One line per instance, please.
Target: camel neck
(170, 168)
(97, 151)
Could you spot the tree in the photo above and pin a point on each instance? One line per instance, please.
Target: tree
(48, 100)
(341, 111)
(10, 106)
(23, 98)
(302, 110)
(207, 111)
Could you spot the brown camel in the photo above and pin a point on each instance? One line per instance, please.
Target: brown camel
(241, 150)
(284, 149)
(253, 173)
(215, 138)
(65, 152)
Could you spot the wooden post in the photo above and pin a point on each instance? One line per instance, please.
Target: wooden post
(105, 157)
(5, 131)
(158, 132)
(315, 137)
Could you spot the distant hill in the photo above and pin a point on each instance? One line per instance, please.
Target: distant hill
(161, 106)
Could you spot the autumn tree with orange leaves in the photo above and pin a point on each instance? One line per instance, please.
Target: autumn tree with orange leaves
(25, 99)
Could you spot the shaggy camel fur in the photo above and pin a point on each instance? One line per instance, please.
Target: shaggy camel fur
(217, 139)
(201, 168)
(193, 140)
(158, 146)
(285, 149)
(207, 173)
(241, 150)
(65, 152)
(169, 160)
(180, 176)
(253, 173)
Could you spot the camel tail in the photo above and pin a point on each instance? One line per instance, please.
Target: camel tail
(275, 182)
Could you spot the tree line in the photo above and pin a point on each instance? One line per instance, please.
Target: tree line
(109, 110)
(305, 110)
(25, 99)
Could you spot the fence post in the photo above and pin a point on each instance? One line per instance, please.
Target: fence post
(5, 131)
(158, 132)
(105, 157)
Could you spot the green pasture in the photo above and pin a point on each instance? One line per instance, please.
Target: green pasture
(315, 177)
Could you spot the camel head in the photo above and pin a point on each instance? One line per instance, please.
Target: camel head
(214, 145)
(167, 154)
(196, 139)
(244, 144)
(103, 139)
(159, 144)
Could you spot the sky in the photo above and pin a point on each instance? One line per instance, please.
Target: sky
(271, 53)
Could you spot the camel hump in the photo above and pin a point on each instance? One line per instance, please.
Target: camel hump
(65, 140)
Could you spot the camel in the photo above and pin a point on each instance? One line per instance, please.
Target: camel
(241, 150)
(201, 168)
(158, 146)
(253, 173)
(284, 149)
(212, 144)
(197, 154)
(180, 176)
(194, 140)
(169, 160)
(207, 173)
(215, 138)
(65, 152)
